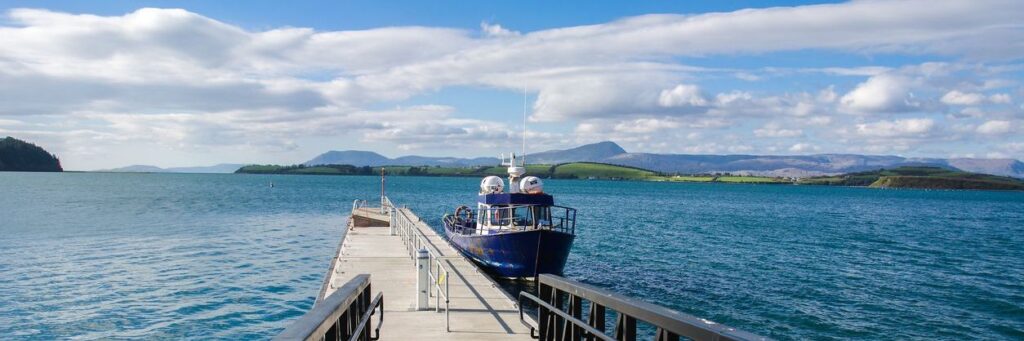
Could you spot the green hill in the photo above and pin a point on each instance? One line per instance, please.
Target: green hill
(919, 177)
(20, 156)
(573, 170)
(589, 170)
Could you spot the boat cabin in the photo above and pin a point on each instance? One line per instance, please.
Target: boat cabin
(515, 211)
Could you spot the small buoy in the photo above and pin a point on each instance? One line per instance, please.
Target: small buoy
(271, 184)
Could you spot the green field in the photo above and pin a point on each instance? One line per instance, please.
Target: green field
(919, 177)
(585, 170)
(727, 179)
(573, 170)
(752, 180)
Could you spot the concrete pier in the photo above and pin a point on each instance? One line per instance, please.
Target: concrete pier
(479, 309)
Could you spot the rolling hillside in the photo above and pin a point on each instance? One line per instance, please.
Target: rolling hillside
(920, 177)
(796, 166)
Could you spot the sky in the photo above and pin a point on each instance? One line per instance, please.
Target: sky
(106, 84)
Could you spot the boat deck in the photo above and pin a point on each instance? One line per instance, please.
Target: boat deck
(479, 309)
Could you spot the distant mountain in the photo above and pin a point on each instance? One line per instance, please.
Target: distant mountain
(220, 168)
(592, 152)
(919, 177)
(364, 158)
(595, 152)
(349, 157)
(20, 156)
(776, 165)
(1004, 167)
(765, 165)
(136, 169)
(445, 161)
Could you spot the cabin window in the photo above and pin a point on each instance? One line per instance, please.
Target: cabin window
(494, 214)
(542, 215)
(522, 216)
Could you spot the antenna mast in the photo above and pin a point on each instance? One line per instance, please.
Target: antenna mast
(524, 125)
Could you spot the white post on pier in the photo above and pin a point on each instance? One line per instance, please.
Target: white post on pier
(382, 197)
(423, 279)
(394, 220)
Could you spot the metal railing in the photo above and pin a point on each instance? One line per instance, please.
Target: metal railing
(555, 218)
(386, 205)
(414, 240)
(330, 270)
(344, 315)
(357, 204)
(557, 321)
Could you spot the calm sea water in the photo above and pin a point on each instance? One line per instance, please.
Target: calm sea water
(98, 256)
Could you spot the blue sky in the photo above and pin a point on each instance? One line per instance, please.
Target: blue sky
(107, 84)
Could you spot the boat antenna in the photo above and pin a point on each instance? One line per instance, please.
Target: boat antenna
(524, 125)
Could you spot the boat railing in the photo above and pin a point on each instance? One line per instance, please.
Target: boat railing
(560, 315)
(562, 219)
(344, 315)
(415, 240)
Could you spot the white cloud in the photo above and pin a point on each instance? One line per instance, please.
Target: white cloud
(1000, 98)
(995, 127)
(886, 93)
(748, 76)
(645, 125)
(775, 130)
(182, 79)
(682, 95)
(913, 127)
(804, 148)
(970, 112)
(956, 97)
(742, 103)
(828, 95)
(818, 120)
(495, 30)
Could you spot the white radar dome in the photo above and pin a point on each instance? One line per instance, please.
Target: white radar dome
(491, 184)
(531, 185)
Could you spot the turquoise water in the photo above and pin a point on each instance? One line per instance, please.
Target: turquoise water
(98, 256)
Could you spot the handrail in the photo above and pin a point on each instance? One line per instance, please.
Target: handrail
(327, 276)
(591, 331)
(344, 315)
(365, 321)
(386, 204)
(555, 321)
(414, 240)
(357, 204)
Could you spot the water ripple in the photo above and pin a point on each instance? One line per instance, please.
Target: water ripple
(170, 256)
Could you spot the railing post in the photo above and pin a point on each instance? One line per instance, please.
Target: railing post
(625, 328)
(437, 286)
(544, 320)
(423, 268)
(394, 220)
(560, 322)
(576, 310)
(447, 326)
(596, 318)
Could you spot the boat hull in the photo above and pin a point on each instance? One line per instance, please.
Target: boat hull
(515, 254)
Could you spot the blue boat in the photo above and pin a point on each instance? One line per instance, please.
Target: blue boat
(516, 234)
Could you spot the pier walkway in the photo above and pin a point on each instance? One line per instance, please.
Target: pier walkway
(394, 278)
(478, 308)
